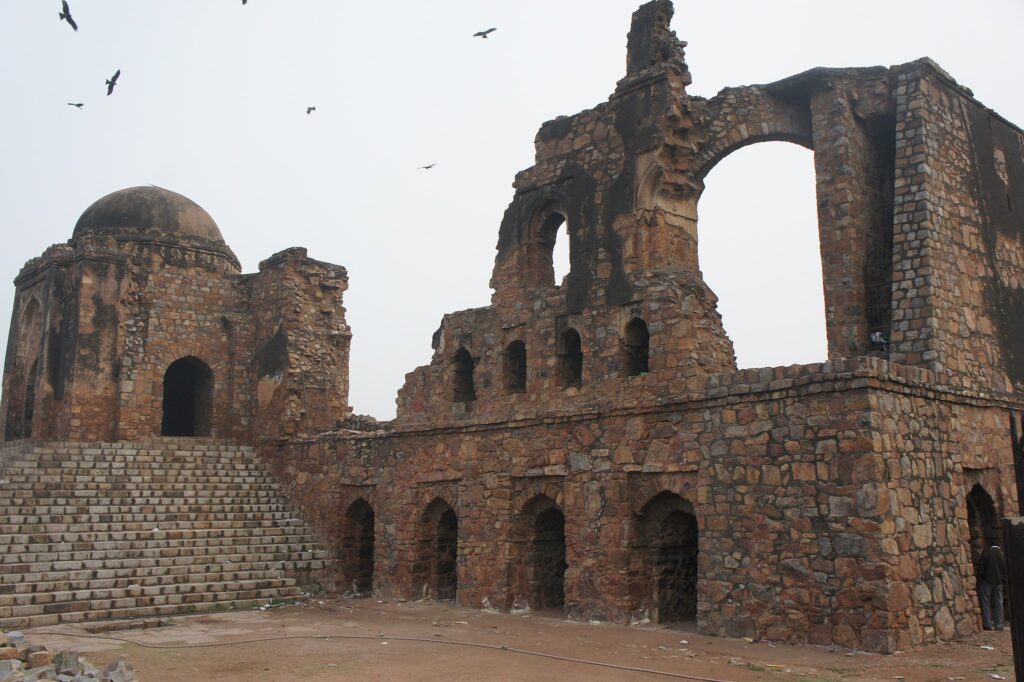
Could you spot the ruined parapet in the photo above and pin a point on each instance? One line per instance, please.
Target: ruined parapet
(302, 345)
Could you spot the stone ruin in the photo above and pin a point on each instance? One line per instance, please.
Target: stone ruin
(588, 447)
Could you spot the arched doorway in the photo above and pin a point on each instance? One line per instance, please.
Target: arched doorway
(666, 550)
(357, 547)
(435, 569)
(538, 556)
(188, 398)
(982, 521)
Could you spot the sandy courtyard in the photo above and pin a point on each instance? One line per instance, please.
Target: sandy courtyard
(365, 639)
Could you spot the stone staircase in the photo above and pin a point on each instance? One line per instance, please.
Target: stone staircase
(94, 531)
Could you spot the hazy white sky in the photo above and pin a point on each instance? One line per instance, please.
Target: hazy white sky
(211, 104)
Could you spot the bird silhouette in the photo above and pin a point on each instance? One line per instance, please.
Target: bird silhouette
(483, 34)
(66, 15)
(77, 105)
(244, 1)
(310, 110)
(112, 82)
(426, 167)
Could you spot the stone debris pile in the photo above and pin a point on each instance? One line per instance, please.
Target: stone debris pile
(20, 662)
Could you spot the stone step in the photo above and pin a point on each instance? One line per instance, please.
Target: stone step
(101, 550)
(238, 498)
(27, 594)
(143, 530)
(78, 581)
(14, 564)
(15, 583)
(23, 475)
(62, 602)
(86, 507)
(140, 484)
(98, 527)
(152, 513)
(175, 605)
(184, 535)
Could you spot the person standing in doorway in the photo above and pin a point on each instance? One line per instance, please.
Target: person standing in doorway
(991, 571)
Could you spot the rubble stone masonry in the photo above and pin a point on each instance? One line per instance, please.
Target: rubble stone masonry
(589, 445)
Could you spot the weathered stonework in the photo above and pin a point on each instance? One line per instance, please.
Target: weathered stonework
(102, 318)
(589, 445)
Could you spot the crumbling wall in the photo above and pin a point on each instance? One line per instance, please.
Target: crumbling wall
(301, 342)
(811, 497)
(966, 170)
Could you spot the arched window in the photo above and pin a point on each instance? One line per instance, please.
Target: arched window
(188, 398)
(463, 376)
(635, 347)
(570, 358)
(514, 367)
(547, 260)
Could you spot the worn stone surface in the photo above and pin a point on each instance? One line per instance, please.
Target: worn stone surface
(589, 443)
(99, 322)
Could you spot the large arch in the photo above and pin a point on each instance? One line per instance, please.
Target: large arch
(664, 559)
(855, 169)
(537, 556)
(435, 572)
(188, 398)
(357, 547)
(769, 282)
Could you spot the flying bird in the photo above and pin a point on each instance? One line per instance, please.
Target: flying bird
(483, 34)
(66, 15)
(112, 82)
(310, 110)
(426, 167)
(78, 105)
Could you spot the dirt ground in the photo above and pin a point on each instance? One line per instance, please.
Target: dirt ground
(365, 639)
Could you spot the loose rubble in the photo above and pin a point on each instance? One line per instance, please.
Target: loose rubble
(20, 662)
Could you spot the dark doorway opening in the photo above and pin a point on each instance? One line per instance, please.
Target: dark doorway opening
(30, 399)
(357, 547)
(547, 560)
(666, 551)
(537, 557)
(982, 521)
(188, 398)
(435, 571)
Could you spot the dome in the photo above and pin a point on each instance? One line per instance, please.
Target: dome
(148, 211)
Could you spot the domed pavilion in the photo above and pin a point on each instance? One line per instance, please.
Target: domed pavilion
(143, 325)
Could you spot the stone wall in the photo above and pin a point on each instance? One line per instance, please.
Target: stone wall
(821, 518)
(103, 319)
